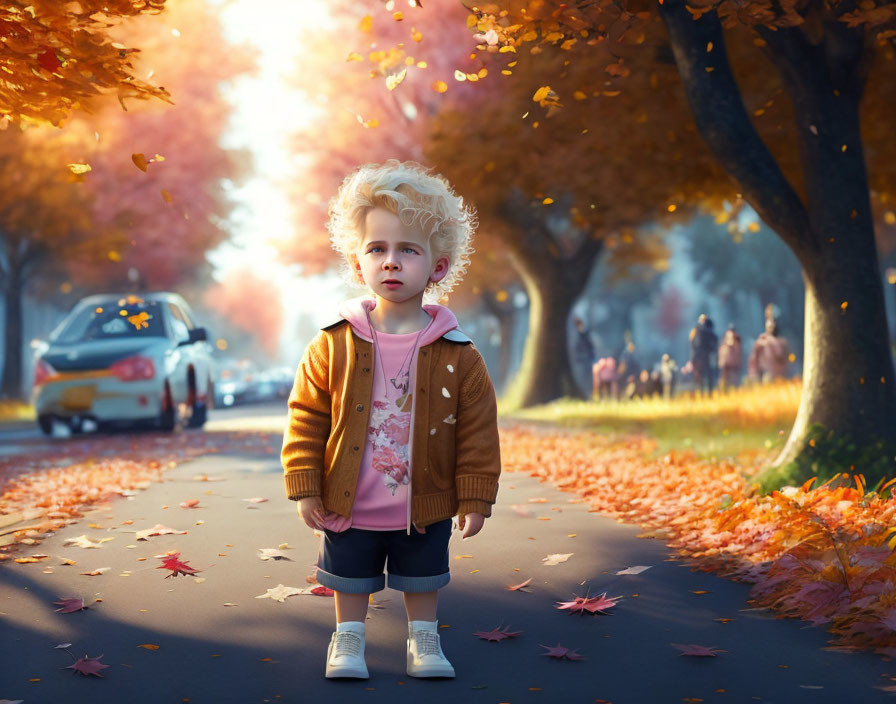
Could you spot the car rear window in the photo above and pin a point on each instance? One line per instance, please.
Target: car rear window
(130, 317)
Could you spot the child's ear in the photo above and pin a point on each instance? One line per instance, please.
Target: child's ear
(439, 269)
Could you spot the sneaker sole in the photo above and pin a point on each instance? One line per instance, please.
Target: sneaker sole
(353, 673)
(427, 670)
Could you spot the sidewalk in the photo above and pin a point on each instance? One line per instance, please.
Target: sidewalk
(218, 643)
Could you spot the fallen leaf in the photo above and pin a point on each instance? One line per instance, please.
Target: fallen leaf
(698, 650)
(521, 587)
(637, 569)
(279, 593)
(70, 604)
(158, 529)
(594, 604)
(82, 541)
(272, 554)
(538, 500)
(561, 652)
(88, 666)
(189, 503)
(173, 563)
(140, 161)
(497, 634)
(255, 500)
(557, 558)
(98, 571)
(148, 646)
(322, 591)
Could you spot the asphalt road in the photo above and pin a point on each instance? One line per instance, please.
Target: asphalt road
(211, 640)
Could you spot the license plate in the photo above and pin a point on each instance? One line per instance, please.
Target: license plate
(78, 398)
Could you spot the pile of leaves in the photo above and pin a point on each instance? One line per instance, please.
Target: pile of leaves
(40, 493)
(824, 555)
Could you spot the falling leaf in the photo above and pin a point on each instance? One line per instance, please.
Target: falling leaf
(88, 666)
(557, 558)
(637, 569)
(521, 587)
(496, 635)
(70, 605)
(173, 563)
(366, 24)
(272, 554)
(140, 161)
(595, 604)
(79, 169)
(166, 196)
(158, 529)
(541, 94)
(394, 80)
(698, 650)
(280, 593)
(148, 646)
(561, 652)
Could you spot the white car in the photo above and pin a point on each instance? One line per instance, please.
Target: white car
(123, 359)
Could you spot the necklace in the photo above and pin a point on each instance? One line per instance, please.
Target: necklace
(402, 379)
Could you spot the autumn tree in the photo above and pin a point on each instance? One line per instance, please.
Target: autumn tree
(139, 191)
(813, 189)
(58, 57)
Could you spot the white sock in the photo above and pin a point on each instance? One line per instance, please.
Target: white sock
(424, 626)
(353, 626)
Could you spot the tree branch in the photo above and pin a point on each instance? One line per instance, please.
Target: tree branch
(723, 122)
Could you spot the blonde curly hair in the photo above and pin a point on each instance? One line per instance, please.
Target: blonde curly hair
(415, 194)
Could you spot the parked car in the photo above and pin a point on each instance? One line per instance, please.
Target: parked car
(234, 384)
(125, 360)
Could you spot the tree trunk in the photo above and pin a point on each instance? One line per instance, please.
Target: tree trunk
(11, 383)
(849, 398)
(545, 373)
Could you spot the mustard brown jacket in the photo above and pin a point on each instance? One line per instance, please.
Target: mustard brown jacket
(455, 458)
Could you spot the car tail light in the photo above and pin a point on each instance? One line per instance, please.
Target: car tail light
(134, 368)
(42, 372)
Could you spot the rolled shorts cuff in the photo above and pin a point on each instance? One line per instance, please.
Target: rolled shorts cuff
(351, 585)
(418, 584)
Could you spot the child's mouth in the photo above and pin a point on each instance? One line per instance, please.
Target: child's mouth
(391, 284)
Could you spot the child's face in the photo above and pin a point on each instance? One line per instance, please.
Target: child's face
(394, 261)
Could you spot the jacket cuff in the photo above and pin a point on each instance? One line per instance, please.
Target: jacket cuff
(474, 487)
(474, 506)
(302, 484)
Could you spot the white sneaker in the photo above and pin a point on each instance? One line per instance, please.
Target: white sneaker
(345, 656)
(425, 656)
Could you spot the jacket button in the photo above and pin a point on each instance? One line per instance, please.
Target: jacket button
(348, 493)
(366, 369)
(423, 352)
(359, 407)
(356, 448)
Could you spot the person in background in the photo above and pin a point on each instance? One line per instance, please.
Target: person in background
(730, 359)
(770, 356)
(704, 344)
(604, 378)
(582, 354)
(668, 373)
(628, 367)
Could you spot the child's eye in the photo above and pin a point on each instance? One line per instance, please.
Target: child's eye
(410, 249)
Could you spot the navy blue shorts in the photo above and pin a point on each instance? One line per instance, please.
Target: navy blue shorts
(352, 561)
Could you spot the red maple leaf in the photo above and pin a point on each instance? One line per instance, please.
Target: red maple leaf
(497, 634)
(70, 604)
(591, 605)
(322, 591)
(88, 666)
(698, 650)
(171, 562)
(560, 652)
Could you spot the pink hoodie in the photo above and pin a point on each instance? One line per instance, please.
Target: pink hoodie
(383, 490)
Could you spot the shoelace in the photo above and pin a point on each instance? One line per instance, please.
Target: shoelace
(347, 643)
(427, 643)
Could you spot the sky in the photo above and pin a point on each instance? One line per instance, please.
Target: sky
(268, 109)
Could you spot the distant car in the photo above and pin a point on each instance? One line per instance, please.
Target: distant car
(124, 360)
(234, 384)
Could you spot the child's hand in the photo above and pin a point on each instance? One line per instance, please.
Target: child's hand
(472, 523)
(311, 509)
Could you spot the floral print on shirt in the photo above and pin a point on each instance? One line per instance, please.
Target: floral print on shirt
(389, 435)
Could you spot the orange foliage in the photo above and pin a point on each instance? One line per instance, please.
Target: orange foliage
(821, 555)
(58, 56)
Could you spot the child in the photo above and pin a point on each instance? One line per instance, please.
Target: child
(392, 424)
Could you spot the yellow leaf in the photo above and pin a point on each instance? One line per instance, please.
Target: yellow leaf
(79, 168)
(148, 646)
(166, 196)
(843, 305)
(394, 80)
(460, 76)
(416, 35)
(355, 56)
(114, 256)
(158, 157)
(541, 94)
(506, 72)
(471, 21)
(397, 16)
(547, 201)
(483, 72)
(439, 86)
(579, 95)
(472, 77)
(529, 36)
(568, 44)
(366, 24)
(507, 48)
(708, 46)
(422, 64)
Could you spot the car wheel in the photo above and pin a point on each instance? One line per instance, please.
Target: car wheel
(167, 416)
(200, 409)
(45, 421)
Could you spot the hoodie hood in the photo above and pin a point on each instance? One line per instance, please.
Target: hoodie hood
(355, 312)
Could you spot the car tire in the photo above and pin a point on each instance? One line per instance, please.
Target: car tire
(45, 421)
(167, 417)
(200, 409)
